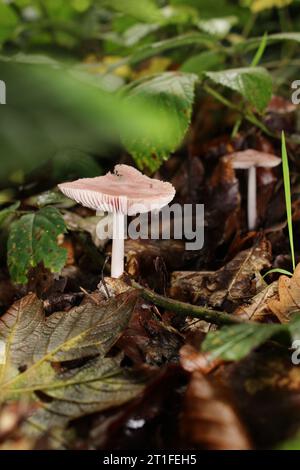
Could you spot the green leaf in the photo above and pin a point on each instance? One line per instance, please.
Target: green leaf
(4, 213)
(293, 443)
(184, 40)
(253, 83)
(142, 10)
(203, 62)
(33, 240)
(39, 350)
(170, 94)
(233, 343)
(8, 21)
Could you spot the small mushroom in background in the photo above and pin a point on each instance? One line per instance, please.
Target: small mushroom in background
(250, 160)
(125, 192)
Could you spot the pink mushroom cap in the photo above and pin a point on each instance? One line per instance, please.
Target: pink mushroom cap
(253, 158)
(126, 191)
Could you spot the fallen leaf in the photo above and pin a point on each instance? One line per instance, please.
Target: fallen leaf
(148, 419)
(265, 387)
(77, 223)
(151, 260)
(234, 283)
(287, 301)
(192, 360)
(257, 309)
(208, 419)
(59, 362)
(148, 340)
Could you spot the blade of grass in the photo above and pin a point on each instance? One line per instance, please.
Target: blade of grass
(260, 51)
(279, 271)
(287, 192)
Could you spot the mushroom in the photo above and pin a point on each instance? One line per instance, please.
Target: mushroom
(250, 160)
(126, 191)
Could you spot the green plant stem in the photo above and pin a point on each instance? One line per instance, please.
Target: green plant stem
(183, 308)
(249, 116)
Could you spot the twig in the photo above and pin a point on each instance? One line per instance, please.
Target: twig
(183, 308)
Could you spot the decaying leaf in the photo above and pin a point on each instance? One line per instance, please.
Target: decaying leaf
(287, 300)
(192, 360)
(152, 259)
(59, 362)
(147, 419)
(265, 387)
(75, 223)
(208, 420)
(148, 340)
(237, 281)
(258, 308)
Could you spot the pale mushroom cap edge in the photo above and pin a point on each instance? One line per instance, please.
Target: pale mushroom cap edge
(253, 158)
(125, 191)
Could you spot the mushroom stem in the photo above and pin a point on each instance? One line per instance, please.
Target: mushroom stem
(117, 256)
(252, 214)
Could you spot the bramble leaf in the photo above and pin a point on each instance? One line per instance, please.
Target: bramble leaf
(236, 342)
(253, 83)
(171, 94)
(33, 240)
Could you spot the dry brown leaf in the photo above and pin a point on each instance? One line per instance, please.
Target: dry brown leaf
(258, 307)
(236, 282)
(208, 421)
(287, 300)
(192, 360)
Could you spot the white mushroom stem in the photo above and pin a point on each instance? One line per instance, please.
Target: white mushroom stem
(252, 212)
(117, 256)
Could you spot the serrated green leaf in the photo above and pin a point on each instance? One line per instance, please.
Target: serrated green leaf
(236, 342)
(34, 344)
(253, 83)
(33, 240)
(171, 94)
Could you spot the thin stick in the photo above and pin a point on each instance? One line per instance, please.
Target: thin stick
(203, 313)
